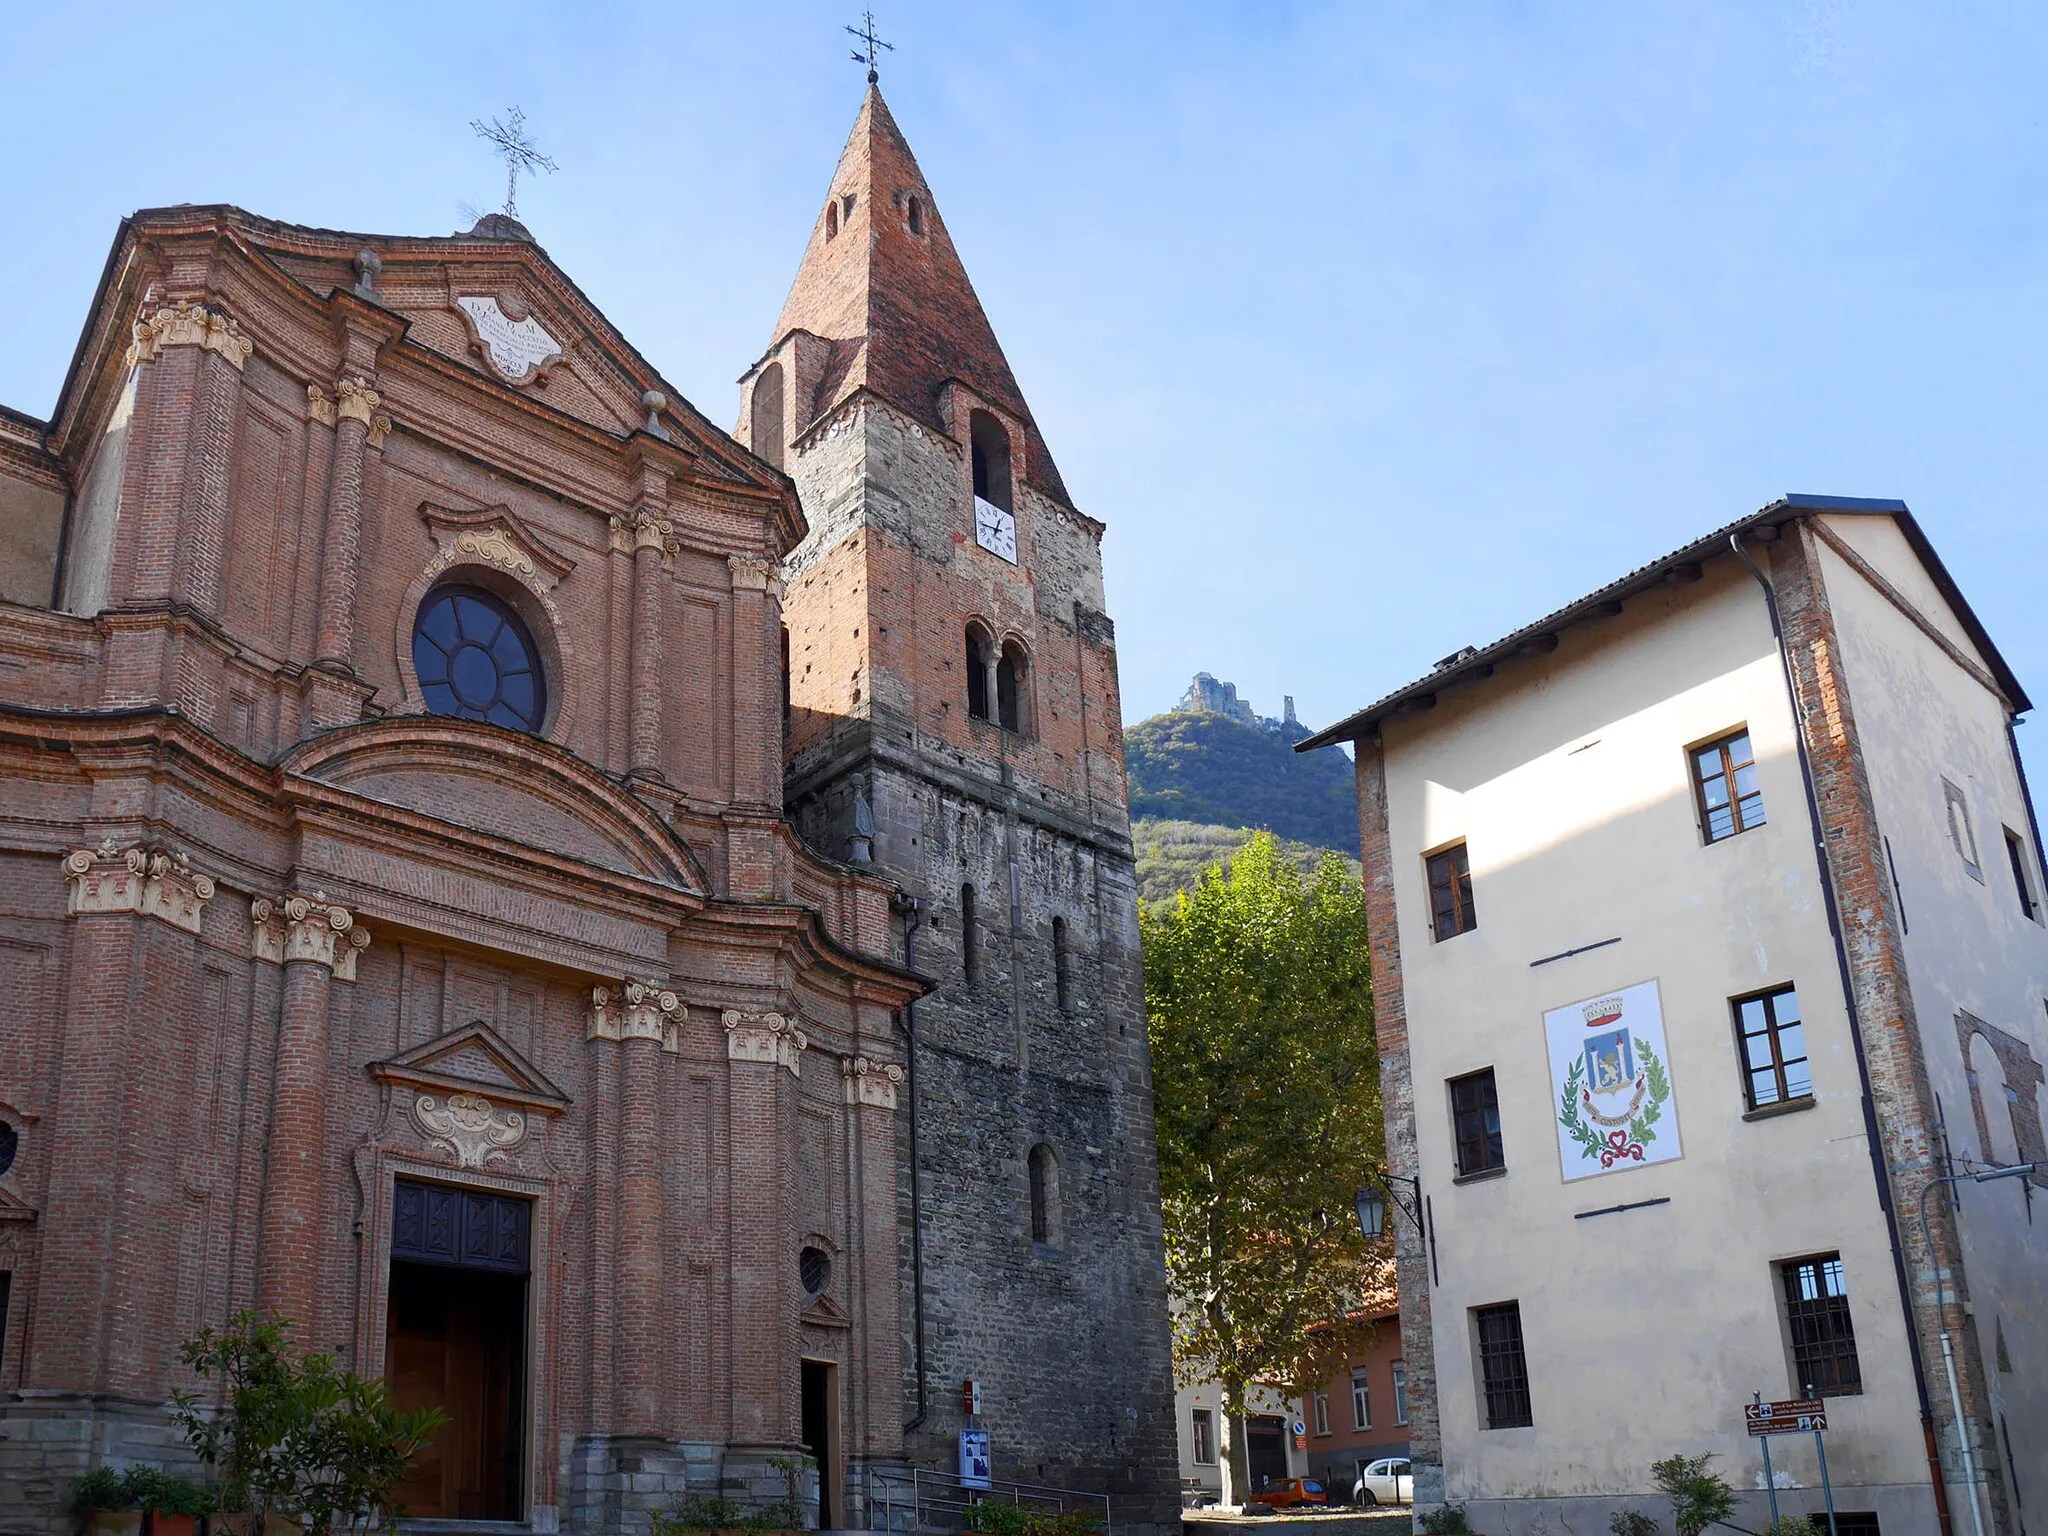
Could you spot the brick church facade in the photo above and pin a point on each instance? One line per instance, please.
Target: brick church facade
(625, 936)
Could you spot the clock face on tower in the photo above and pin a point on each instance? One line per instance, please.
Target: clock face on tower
(995, 529)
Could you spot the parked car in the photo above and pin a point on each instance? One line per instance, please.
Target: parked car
(1386, 1481)
(1290, 1493)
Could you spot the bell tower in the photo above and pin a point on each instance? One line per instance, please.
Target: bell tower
(952, 717)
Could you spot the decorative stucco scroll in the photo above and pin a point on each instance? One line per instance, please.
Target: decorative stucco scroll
(320, 405)
(470, 1126)
(639, 1010)
(155, 882)
(188, 325)
(307, 928)
(871, 1082)
(769, 1038)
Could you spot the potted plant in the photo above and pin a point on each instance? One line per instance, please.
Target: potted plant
(173, 1505)
(109, 1503)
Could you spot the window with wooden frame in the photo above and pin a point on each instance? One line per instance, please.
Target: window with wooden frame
(1320, 1407)
(1725, 788)
(2016, 853)
(1400, 1391)
(1824, 1362)
(1772, 1040)
(1450, 892)
(1503, 1367)
(1475, 1123)
(1202, 1430)
(1361, 1399)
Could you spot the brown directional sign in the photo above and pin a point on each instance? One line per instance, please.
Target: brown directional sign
(1793, 1416)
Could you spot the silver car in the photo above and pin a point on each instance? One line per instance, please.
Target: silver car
(1386, 1481)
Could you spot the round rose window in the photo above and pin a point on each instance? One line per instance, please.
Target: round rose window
(476, 660)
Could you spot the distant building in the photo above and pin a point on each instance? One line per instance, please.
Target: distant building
(1207, 696)
(1270, 1452)
(1707, 923)
(1361, 1413)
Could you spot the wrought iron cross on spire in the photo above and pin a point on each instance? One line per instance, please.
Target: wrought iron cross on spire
(510, 140)
(866, 53)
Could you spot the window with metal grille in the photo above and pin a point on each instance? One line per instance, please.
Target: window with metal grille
(1824, 1360)
(1202, 1424)
(1503, 1369)
(1361, 1400)
(814, 1268)
(1475, 1120)
(1853, 1522)
(1773, 1044)
(1724, 780)
(1450, 893)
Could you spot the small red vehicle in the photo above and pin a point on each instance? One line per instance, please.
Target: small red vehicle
(1291, 1493)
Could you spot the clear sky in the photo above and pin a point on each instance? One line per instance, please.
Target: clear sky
(1371, 330)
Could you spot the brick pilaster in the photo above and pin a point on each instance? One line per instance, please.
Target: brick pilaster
(1397, 1099)
(645, 736)
(872, 1091)
(288, 1260)
(341, 546)
(1901, 1095)
(203, 518)
(643, 1311)
(764, 1052)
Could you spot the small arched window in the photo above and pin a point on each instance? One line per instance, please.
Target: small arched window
(990, 445)
(1044, 1170)
(1062, 967)
(1011, 670)
(476, 660)
(970, 937)
(913, 213)
(767, 417)
(980, 664)
(831, 220)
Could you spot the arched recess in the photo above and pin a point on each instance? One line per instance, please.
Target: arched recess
(1013, 687)
(980, 652)
(1994, 1102)
(989, 443)
(766, 420)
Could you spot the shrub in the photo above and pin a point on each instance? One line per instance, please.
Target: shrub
(155, 1489)
(1796, 1525)
(1699, 1498)
(1633, 1522)
(103, 1488)
(1447, 1520)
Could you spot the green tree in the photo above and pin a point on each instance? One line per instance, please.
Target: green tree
(1258, 993)
(1699, 1498)
(296, 1435)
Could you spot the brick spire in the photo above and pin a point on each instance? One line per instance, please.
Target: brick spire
(882, 282)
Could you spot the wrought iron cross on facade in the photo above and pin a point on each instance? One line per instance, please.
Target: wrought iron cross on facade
(865, 54)
(510, 140)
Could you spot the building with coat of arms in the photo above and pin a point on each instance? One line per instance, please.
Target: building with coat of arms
(621, 931)
(1711, 981)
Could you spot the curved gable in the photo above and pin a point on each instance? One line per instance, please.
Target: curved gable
(499, 782)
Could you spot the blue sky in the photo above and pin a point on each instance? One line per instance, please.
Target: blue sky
(1371, 330)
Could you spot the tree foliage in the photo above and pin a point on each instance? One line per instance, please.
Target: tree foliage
(1259, 1000)
(1173, 854)
(295, 1435)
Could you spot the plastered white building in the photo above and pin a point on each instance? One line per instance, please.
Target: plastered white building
(1707, 931)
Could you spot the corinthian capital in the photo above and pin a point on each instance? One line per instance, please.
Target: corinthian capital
(751, 573)
(186, 324)
(769, 1038)
(307, 928)
(637, 1010)
(154, 882)
(871, 1082)
(354, 400)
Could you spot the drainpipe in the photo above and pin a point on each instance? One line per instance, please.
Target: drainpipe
(1870, 1129)
(911, 909)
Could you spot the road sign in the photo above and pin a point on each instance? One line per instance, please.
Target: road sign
(1792, 1416)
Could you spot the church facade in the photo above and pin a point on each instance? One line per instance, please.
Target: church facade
(440, 906)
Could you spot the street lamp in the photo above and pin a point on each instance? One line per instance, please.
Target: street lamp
(1948, 1357)
(1371, 1204)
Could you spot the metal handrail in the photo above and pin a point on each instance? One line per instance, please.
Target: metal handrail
(946, 1495)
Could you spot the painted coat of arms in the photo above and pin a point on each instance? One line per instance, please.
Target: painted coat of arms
(1607, 1059)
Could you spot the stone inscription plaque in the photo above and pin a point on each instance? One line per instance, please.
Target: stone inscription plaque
(519, 349)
